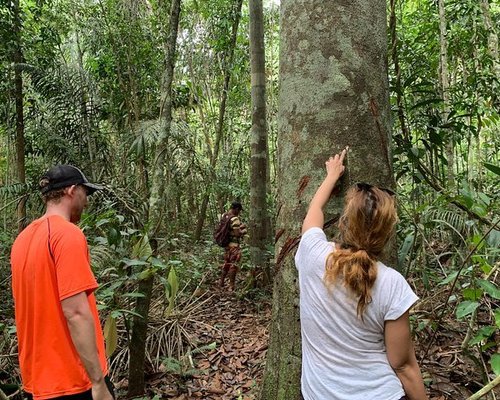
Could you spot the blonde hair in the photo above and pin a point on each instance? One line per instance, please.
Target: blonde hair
(366, 225)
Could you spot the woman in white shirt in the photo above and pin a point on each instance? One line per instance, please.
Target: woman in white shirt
(356, 341)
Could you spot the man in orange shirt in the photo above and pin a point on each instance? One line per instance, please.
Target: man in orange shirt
(61, 345)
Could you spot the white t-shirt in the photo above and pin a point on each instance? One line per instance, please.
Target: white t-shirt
(343, 357)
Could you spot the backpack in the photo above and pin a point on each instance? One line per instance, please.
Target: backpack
(222, 230)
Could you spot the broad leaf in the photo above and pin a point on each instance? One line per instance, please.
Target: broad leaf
(466, 308)
(472, 294)
(489, 288)
(493, 168)
(110, 335)
(173, 289)
(495, 363)
(483, 333)
(405, 248)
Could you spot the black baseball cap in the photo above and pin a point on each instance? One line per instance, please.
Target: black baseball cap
(62, 176)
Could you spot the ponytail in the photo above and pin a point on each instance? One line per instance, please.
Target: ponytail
(358, 272)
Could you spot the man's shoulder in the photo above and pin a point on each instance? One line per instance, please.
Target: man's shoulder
(59, 226)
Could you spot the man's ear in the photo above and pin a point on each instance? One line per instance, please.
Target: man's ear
(70, 190)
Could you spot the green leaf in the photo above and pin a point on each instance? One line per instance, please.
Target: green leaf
(174, 287)
(142, 248)
(134, 294)
(495, 363)
(426, 102)
(110, 335)
(118, 313)
(483, 333)
(497, 317)
(472, 294)
(132, 263)
(449, 278)
(466, 308)
(405, 248)
(146, 274)
(493, 168)
(489, 288)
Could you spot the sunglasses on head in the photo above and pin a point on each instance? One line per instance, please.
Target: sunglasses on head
(366, 187)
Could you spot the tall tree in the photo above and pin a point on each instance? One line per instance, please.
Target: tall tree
(333, 93)
(137, 346)
(258, 162)
(17, 58)
(445, 89)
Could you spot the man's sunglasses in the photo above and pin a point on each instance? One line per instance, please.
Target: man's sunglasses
(366, 187)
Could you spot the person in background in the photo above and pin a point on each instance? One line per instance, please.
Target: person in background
(61, 344)
(354, 310)
(232, 252)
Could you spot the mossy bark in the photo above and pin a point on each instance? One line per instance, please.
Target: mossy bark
(333, 93)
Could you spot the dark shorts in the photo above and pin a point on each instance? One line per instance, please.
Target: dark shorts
(232, 254)
(87, 395)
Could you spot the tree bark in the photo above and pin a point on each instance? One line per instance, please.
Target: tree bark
(17, 58)
(333, 93)
(155, 216)
(258, 162)
(222, 112)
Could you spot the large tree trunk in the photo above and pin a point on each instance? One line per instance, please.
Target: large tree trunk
(156, 205)
(222, 112)
(258, 162)
(333, 93)
(17, 57)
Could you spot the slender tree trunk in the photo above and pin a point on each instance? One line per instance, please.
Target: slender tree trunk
(333, 93)
(445, 87)
(86, 129)
(258, 162)
(397, 72)
(222, 112)
(155, 217)
(492, 36)
(19, 101)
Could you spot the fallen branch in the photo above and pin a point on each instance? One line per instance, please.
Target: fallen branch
(485, 389)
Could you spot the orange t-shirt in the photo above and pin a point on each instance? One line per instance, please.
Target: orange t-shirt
(50, 262)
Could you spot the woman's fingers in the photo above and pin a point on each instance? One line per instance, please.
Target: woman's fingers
(337, 158)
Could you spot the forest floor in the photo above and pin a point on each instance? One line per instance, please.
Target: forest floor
(232, 333)
(228, 340)
(232, 368)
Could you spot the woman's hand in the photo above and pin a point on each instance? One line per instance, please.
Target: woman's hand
(335, 165)
(334, 170)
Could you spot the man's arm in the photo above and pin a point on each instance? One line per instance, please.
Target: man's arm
(401, 356)
(81, 327)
